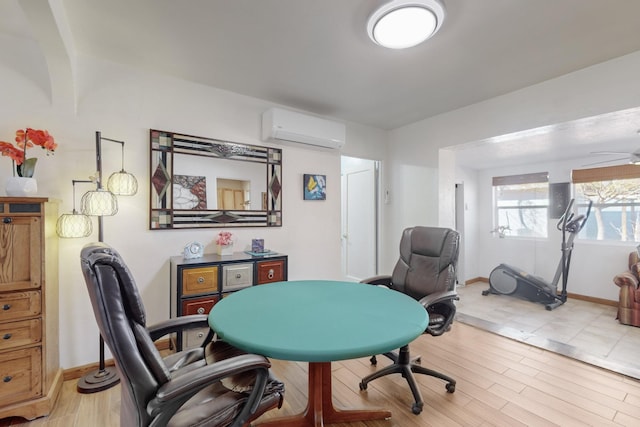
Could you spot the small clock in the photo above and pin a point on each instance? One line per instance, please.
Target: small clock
(193, 250)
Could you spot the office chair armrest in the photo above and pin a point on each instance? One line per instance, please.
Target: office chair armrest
(379, 280)
(177, 324)
(441, 309)
(172, 395)
(439, 297)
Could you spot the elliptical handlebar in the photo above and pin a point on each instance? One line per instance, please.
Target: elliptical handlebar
(569, 222)
(578, 223)
(566, 216)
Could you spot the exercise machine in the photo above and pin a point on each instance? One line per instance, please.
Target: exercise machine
(508, 280)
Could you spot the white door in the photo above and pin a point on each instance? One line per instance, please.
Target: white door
(359, 219)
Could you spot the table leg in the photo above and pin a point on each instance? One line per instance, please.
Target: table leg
(320, 409)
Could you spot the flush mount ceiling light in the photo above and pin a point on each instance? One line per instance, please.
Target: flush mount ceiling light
(400, 24)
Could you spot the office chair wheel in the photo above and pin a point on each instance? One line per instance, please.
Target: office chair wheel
(451, 387)
(416, 408)
(373, 360)
(363, 385)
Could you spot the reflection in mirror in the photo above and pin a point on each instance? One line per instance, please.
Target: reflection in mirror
(233, 194)
(201, 182)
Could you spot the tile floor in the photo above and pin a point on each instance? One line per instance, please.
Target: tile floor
(579, 329)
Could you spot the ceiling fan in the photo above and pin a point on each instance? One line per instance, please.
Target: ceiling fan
(631, 157)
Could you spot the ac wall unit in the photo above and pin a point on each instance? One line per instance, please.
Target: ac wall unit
(285, 125)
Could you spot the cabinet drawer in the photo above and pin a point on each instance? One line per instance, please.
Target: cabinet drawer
(20, 375)
(198, 306)
(236, 276)
(16, 334)
(199, 280)
(270, 271)
(18, 305)
(194, 337)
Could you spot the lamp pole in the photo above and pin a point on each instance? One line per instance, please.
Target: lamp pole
(105, 377)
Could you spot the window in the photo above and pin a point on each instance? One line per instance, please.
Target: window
(521, 203)
(615, 193)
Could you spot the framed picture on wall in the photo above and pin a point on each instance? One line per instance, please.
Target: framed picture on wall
(314, 187)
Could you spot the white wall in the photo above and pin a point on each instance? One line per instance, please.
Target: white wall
(124, 104)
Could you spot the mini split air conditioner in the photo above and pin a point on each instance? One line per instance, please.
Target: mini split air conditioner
(284, 125)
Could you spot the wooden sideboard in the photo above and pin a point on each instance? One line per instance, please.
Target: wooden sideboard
(197, 284)
(30, 373)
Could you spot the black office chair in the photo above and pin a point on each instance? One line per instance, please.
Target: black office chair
(181, 389)
(425, 271)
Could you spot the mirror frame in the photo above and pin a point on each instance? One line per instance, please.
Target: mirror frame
(162, 215)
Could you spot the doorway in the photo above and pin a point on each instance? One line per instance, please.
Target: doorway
(359, 222)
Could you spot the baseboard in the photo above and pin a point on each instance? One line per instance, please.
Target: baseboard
(602, 301)
(593, 299)
(81, 371)
(476, 279)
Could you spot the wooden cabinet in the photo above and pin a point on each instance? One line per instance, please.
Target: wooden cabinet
(30, 371)
(198, 284)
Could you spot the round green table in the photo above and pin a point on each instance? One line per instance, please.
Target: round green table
(318, 321)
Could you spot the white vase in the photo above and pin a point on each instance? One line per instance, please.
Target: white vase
(225, 249)
(18, 186)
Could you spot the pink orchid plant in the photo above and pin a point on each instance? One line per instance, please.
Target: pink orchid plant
(224, 238)
(24, 139)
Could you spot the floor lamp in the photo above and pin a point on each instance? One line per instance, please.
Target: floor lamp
(99, 202)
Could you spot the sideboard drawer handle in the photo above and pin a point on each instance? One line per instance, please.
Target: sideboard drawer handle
(200, 279)
(7, 378)
(270, 274)
(6, 307)
(200, 310)
(7, 220)
(6, 337)
(200, 334)
(238, 275)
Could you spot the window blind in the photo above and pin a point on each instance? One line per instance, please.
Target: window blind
(606, 173)
(528, 178)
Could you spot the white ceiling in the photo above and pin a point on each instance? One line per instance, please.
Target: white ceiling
(585, 140)
(315, 55)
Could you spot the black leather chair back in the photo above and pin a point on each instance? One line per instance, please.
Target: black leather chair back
(428, 261)
(121, 319)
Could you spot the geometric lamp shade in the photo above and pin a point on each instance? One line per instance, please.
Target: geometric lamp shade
(99, 202)
(122, 183)
(74, 225)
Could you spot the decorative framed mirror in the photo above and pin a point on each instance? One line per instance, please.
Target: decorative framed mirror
(199, 182)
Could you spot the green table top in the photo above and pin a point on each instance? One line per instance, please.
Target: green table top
(318, 320)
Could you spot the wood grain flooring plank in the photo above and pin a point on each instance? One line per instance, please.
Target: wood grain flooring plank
(579, 414)
(547, 410)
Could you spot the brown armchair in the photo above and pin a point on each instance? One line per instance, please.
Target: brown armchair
(629, 299)
(188, 388)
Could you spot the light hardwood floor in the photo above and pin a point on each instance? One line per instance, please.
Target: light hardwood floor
(500, 382)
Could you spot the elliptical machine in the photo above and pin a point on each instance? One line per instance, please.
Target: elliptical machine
(509, 280)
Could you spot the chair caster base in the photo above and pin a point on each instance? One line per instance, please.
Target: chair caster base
(416, 408)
